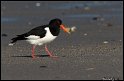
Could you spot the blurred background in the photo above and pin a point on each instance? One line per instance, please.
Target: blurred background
(88, 16)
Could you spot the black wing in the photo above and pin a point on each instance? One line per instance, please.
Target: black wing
(38, 31)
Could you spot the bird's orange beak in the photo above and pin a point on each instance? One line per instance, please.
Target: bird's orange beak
(64, 29)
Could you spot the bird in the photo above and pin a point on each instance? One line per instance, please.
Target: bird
(41, 35)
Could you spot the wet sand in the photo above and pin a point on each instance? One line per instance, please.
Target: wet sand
(94, 52)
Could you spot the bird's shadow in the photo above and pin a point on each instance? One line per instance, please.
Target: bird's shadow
(28, 56)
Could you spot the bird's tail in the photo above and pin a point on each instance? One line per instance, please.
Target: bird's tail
(15, 39)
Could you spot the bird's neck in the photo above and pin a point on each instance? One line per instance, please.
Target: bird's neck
(54, 30)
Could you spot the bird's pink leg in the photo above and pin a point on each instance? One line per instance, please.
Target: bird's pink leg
(48, 52)
(33, 54)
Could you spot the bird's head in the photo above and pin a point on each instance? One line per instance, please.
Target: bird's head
(58, 22)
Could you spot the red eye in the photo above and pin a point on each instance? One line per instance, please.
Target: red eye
(58, 22)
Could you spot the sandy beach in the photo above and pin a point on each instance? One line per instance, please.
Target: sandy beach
(93, 52)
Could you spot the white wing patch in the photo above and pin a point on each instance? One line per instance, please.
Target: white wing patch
(33, 37)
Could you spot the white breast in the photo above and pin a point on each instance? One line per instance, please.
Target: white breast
(36, 40)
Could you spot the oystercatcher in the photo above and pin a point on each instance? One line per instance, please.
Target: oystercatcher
(42, 35)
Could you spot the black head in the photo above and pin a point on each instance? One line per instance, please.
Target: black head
(55, 22)
(56, 25)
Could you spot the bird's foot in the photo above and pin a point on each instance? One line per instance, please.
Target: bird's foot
(33, 57)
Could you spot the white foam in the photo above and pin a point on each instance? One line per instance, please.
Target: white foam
(37, 4)
(11, 44)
